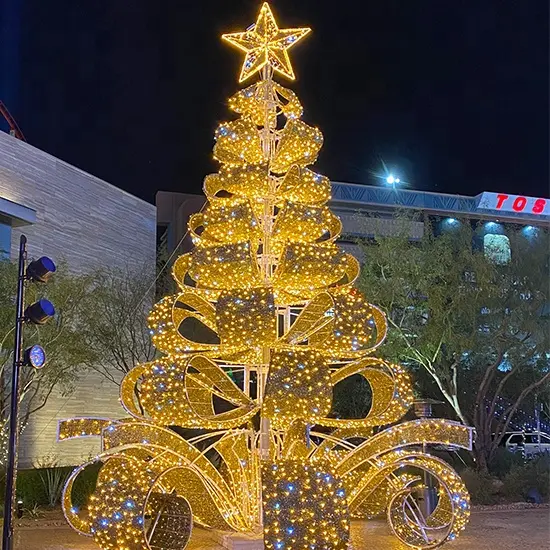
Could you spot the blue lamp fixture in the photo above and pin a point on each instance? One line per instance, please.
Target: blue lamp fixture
(39, 271)
(35, 357)
(39, 312)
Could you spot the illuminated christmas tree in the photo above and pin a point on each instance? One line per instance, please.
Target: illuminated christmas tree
(272, 291)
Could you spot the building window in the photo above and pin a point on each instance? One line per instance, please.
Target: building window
(5, 240)
(497, 248)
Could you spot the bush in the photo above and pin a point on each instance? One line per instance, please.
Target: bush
(503, 461)
(534, 474)
(53, 478)
(84, 485)
(30, 488)
(32, 485)
(481, 486)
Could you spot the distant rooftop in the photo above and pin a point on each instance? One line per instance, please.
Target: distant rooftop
(353, 196)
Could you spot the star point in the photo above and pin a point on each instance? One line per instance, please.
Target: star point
(265, 44)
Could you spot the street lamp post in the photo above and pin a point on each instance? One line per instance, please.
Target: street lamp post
(37, 313)
(14, 409)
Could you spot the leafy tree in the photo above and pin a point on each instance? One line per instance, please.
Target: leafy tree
(116, 326)
(352, 398)
(477, 325)
(61, 339)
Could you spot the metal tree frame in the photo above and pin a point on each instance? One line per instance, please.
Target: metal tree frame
(268, 281)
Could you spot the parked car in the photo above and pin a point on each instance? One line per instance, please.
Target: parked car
(527, 442)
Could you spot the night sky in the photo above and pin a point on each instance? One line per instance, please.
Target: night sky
(453, 94)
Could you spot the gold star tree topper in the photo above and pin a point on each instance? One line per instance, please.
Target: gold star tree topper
(266, 44)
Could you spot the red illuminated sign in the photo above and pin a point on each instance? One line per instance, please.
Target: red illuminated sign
(514, 203)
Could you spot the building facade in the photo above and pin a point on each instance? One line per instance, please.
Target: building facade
(77, 218)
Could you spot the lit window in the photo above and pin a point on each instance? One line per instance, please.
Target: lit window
(497, 248)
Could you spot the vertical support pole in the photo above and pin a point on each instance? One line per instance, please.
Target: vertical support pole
(537, 417)
(265, 439)
(246, 380)
(11, 473)
(268, 143)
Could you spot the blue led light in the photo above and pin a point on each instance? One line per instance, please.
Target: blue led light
(36, 356)
(530, 231)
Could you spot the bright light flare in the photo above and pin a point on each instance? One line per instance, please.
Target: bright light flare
(391, 180)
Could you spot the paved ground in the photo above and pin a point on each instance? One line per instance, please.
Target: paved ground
(503, 530)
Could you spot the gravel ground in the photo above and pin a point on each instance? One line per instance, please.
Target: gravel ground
(518, 529)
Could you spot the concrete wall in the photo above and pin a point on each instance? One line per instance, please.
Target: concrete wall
(79, 217)
(367, 224)
(89, 223)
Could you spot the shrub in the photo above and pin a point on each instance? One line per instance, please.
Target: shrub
(534, 474)
(503, 461)
(84, 485)
(30, 488)
(42, 486)
(480, 485)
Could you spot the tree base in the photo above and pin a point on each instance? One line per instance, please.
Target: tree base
(238, 541)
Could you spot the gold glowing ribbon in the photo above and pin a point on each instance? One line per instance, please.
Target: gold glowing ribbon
(143, 461)
(76, 428)
(238, 143)
(302, 185)
(251, 102)
(299, 144)
(232, 221)
(182, 393)
(391, 388)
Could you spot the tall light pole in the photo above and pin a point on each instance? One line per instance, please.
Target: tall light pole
(37, 313)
